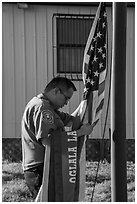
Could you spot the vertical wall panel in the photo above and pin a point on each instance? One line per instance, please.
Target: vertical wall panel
(30, 52)
(41, 52)
(8, 74)
(19, 65)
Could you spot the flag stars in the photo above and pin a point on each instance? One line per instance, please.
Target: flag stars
(95, 58)
(92, 82)
(96, 74)
(99, 34)
(103, 56)
(105, 14)
(86, 90)
(100, 50)
(100, 65)
(105, 46)
(88, 80)
(97, 51)
(104, 25)
(94, 39)
(92, 48)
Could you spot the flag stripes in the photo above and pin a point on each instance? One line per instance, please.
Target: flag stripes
(101, 88)
(102, 76)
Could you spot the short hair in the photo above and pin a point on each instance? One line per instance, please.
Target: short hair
(60, 82)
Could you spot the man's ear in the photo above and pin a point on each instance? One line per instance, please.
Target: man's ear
(56, 90)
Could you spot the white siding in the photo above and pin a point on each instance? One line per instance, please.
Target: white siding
(28, 62)
(8, 80)
(19, 68)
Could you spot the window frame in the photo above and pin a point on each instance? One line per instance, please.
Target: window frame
(73, 76)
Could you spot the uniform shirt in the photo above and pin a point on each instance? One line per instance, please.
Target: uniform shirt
(39, 120)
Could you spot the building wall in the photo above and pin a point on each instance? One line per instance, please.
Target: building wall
(27, 63)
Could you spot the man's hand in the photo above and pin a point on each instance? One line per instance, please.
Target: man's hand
(44, 141)
(85, 129)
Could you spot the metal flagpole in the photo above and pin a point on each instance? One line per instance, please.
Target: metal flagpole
(118, 104)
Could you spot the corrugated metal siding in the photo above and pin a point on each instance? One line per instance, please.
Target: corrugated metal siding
(28, 62)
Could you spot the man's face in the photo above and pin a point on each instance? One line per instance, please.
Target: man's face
(62, 97)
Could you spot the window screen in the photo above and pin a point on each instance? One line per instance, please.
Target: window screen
(72, 32)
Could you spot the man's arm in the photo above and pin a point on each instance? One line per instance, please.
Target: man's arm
(85, 129)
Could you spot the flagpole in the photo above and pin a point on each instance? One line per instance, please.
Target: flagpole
(118, 104)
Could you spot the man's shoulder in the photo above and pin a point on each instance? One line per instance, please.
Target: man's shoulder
(38, 104)
(35, 101)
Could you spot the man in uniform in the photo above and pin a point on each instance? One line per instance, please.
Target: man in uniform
(40, 118)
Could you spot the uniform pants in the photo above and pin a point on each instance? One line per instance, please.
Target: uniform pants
(33, 179)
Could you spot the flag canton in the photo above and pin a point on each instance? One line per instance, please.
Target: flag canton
(96, 54)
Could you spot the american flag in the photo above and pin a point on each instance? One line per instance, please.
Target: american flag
(95, 65)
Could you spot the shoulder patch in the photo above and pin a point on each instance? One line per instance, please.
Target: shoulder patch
(47, 116)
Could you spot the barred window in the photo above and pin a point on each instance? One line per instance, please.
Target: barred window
(72, 32)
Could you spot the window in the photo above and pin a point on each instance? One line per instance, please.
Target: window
(72, 32)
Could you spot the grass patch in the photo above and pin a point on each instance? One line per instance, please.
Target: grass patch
(14, 188)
